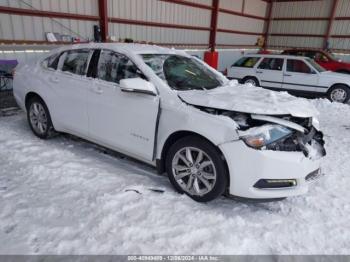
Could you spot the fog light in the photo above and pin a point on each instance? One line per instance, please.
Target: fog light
(275, 183)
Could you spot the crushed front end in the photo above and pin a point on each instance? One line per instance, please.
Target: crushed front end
(275, 157)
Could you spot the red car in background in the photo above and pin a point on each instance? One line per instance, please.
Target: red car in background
(323, 58)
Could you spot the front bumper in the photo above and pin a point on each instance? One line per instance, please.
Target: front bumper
(247, 166)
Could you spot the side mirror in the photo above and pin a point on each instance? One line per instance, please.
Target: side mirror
(137, 85)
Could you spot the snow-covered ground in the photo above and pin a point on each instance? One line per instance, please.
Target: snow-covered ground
(65, 196)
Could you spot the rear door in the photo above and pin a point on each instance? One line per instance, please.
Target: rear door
(70, 86)
(270, 72)
(124, 121)
(299, 76)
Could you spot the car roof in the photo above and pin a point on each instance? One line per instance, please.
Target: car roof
(305, 49)
(126, 48)
(275, 56)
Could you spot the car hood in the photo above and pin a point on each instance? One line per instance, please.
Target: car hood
(249, 99)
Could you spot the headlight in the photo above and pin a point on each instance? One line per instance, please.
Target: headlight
(258, 137)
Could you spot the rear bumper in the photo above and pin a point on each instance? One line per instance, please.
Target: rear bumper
(247, 166)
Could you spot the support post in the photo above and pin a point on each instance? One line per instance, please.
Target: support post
(102, 5)
(213, 24)
(211, 57)
(268, 23)
(330, 24)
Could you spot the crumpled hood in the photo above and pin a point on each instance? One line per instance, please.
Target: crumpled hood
(250, 99)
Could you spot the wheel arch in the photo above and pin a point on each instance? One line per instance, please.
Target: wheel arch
(251, 76)
(172, 138)
(30, 96)
(337, 84)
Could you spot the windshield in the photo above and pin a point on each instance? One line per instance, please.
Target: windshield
(332, 56)
(182, 73)
(316, 66)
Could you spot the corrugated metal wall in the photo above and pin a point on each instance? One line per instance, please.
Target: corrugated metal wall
(160, 12)
(320, 9)
(240, 23)
(341, 27)
(19, 27)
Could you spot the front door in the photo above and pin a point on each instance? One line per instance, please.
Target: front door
(121, 120)
(299, 76)
(269, 72)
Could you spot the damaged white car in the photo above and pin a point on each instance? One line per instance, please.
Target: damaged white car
(171, 110)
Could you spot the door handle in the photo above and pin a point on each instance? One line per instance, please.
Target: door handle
(286, 75)
(97, 90)
(54, 79)
(259, 72)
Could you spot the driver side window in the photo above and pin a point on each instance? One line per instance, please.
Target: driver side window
(113, 67)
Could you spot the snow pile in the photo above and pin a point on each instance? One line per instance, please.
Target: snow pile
(65, 196)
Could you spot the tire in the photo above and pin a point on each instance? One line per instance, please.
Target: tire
(339, 93)
(250, 80)
(207, 179)
(39, 118)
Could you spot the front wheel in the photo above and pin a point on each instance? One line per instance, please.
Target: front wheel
(339, 93)
(195, 167)
(250, 80)
(39, 118)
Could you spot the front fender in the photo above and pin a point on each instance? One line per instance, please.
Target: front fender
(217, 129)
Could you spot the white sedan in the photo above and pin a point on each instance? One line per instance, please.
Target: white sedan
(297, 75)
(171, 110)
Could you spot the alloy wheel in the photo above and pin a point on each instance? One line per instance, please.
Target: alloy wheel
(250, 81)
(194, 171)
(338, 95)
(38, 118)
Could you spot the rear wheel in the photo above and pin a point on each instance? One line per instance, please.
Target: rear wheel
(195, 167)
(39, 118)
(250, 80)
(339, 93)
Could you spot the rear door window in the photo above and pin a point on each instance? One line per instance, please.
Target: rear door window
(271, 64)
(76, 61)
(248, 62)
(52, 61)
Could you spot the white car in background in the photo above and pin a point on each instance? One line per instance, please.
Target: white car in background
(171, 110)
(297, 75)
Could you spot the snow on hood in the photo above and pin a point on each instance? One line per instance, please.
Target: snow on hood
(250, 99)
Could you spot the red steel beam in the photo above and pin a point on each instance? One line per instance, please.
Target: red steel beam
(214, 25)
(296, 35)
(330, 22)
(237, 32)
(156, 24)
(30, 12)
(299, 18)
(187, 3)
(342, 18)
(231, 12)
(268, 22)
(102, 7)
(309, 18)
